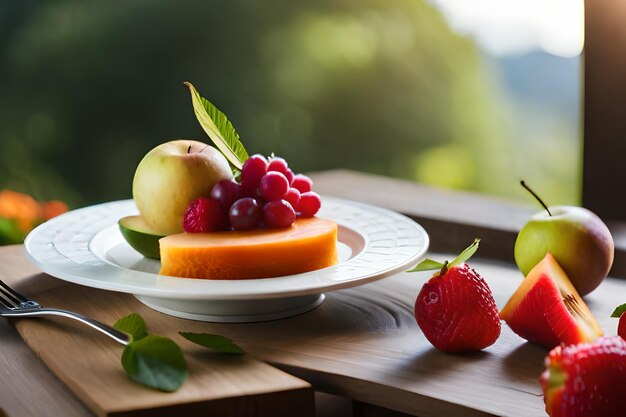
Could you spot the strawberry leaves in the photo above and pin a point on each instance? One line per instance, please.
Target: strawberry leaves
(466, 254)
(428, 265)
(431, 265)
(619, 311)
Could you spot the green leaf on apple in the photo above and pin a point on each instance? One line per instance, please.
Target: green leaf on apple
(214, 342)
(619, 311)
(219, 128)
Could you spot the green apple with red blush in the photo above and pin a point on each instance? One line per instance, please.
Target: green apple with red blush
(172, 175)
(578, 239)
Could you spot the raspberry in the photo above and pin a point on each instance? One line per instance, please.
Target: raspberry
(204, 215)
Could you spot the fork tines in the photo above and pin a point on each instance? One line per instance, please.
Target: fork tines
(11, 298)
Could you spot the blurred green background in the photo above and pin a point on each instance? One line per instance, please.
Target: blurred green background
(88, 87)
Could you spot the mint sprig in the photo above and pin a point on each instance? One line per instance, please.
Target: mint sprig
(156, 362)
(214, 342)
(219, 128)
(134, 325)
(619, 311)
(431, 265)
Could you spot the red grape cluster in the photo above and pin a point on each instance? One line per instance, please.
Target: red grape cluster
(269, 194)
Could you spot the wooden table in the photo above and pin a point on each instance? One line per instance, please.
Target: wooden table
(362, 343)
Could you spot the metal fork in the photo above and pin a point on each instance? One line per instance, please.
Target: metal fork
(14, 304)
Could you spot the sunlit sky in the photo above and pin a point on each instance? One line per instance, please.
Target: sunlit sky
(510, 27)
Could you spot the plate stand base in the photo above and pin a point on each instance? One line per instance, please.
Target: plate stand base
(234, 311)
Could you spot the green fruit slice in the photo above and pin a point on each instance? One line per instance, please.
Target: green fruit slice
(140, 237)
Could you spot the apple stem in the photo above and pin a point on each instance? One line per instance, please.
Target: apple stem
(189, 149)
(536, 197)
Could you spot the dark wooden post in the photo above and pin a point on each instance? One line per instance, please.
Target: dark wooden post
(604, 154)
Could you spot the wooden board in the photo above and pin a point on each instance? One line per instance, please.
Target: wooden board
(89, 363)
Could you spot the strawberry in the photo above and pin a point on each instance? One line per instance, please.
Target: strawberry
(455, 308)
(204, 215)
(586, 380)
(621, 327)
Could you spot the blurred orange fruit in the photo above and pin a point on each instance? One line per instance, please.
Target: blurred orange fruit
(53, 208)
(26, 211)
(22, 208)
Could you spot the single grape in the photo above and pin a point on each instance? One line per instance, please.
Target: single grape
(279, 165)
(249, 189)
(279, 213)
(204, 215)
(245, 214)
(310, 203)
(289, 175)
(226, 192)
(273, 186)
(302, 183)
(292, 196)
(253, 170)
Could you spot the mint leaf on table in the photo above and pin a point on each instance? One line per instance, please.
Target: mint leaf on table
(619, 311)
(156, 362)
(219, 128)
(214, 342)
(134, 325)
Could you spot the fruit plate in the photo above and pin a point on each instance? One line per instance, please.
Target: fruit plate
(85, 247)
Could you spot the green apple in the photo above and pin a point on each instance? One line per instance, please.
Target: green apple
(170, 176)
(581, 243)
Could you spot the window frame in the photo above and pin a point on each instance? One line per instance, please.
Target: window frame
(604, 111)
